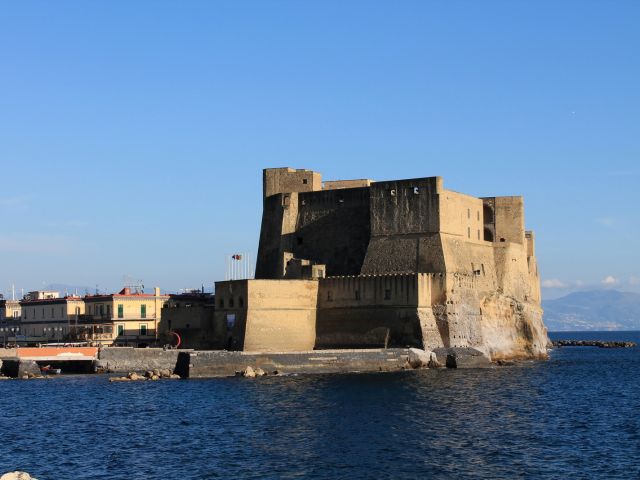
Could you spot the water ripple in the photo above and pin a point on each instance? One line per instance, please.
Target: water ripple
(573, 416)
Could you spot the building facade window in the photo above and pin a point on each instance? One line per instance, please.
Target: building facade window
(387, 294)
(143, 311)
(120, 310)
(143, 329)
(120, 330)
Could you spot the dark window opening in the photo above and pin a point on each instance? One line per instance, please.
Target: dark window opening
(502, 240)
(299, 240)
(329, 296)
(488, 235)
(231, 303)
(357, 294)
(387, 294)
(221, 303)
(304, 181)
(240, 302)
(487, 212)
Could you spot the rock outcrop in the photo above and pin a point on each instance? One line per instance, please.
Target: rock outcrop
(17, 476)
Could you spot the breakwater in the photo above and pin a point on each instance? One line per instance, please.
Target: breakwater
(207, 364)
(593, 343)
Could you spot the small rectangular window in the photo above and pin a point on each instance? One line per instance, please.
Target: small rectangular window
(120, 310)
(143, 311)
(357, 294)
(120, 330)
(304, 181)
(468, 232)
(143, 329)
(387, 294)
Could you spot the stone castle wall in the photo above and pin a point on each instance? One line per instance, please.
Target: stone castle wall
(461, 270)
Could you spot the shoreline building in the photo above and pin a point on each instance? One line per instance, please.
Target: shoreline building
(124, 318)
(10, 314)
(47, 317)
(190, 315)
(359, 263)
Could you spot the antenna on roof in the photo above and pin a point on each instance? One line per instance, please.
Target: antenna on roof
(136, 286)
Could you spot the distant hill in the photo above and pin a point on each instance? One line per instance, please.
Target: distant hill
(594, 310)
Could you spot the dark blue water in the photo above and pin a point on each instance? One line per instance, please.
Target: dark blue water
(574, 416)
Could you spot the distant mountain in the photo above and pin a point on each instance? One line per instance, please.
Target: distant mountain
(594, 310)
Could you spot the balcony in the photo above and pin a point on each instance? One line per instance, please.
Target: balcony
(86, 319)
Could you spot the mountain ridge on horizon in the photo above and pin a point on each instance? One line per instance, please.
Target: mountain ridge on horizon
(593, 310)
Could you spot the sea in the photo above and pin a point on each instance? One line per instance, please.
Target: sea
(575, 416)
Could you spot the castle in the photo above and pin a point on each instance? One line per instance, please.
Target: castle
(361, 263)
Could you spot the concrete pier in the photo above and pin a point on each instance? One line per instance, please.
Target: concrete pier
(209, 364)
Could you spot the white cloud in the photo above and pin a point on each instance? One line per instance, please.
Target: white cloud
(20, 202)
(606, 221)
(553, 283)
(609, 280)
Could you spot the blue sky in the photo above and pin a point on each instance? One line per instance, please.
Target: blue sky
(133, 134)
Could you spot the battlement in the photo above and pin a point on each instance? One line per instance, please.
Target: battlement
(289, 180)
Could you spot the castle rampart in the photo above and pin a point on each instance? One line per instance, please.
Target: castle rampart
(407, 262)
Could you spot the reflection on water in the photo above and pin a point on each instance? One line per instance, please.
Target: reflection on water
(575, 415)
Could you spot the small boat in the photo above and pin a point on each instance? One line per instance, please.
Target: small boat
(47, 370)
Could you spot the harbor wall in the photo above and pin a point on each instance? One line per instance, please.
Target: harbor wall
(129, 359)
(209, 364)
